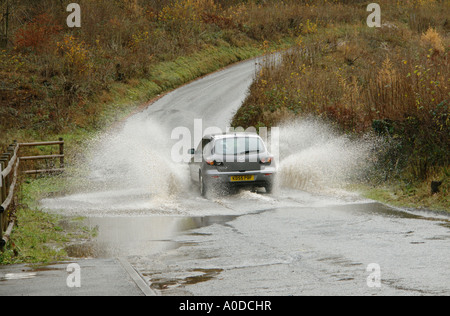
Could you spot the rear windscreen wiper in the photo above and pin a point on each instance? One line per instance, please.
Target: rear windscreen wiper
(249, 151)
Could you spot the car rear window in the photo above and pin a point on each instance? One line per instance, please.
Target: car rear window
(239, 146)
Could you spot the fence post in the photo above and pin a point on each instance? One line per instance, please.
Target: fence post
(9, 180)
(3, 163)
(2, 198)
(6, 157)
(61, 152)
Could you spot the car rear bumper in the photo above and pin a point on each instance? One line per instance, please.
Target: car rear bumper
(259, 177)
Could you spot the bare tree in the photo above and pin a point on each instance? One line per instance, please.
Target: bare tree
(4, 22)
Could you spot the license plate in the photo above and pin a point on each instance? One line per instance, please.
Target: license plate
(242, 178)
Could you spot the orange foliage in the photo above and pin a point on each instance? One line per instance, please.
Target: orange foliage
(37, 34)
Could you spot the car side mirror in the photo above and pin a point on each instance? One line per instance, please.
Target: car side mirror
(191, 151)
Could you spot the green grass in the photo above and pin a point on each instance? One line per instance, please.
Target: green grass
(40, 237)
(413, 196)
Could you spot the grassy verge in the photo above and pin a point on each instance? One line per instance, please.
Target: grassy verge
(40, 237)
(416, 195)
(417, 198)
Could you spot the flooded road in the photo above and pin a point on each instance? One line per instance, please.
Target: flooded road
(293, 243)
(307, 238)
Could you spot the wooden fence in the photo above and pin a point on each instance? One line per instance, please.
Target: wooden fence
(9, 172)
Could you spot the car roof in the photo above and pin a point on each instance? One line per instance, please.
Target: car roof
(230, 135)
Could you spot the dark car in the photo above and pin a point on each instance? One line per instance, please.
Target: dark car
(232, 161)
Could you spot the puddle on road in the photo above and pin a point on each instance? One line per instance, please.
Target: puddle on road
(142, 236)
(137, 236)
(18, 276)
(123, 236)
(193, 277)
(375, 208)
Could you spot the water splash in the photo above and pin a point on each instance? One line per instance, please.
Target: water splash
(316, 157)
(129, 170)
(139, 157)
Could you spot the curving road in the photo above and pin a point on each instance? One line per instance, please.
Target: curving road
(301, 240)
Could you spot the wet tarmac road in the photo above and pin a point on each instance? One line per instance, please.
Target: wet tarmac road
(302, 247)
(288, 243)
(308, 251)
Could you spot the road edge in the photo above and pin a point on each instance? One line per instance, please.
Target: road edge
(137, 278)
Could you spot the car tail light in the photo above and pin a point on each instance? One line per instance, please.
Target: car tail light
(213, 162)
(266, 160)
